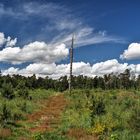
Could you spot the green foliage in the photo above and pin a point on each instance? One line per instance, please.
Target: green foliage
(108, 107)
(23, 93)
(128, 103)
(49, 136)
(5, 115)
(134, 121)
(38, 136)
(107, 82)
(98, 106)
(38, 94)
(16, 110)
(114, 137)
(24, 107)
(98, 129)
(10, 113)
(104, 113)
(124, 135)
(21, 85)
(7, 91)
(22, 90)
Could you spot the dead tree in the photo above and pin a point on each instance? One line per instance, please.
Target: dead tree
(71, 64)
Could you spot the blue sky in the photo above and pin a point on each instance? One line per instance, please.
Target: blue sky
(103, 31)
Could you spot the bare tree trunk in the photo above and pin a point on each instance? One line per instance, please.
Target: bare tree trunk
(71, 62)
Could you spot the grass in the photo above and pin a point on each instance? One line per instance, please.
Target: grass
(105, 114)
(88, 114)
(14, 111)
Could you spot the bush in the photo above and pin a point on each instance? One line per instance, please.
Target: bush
(98, 129)
(38, 136)
(17, 115)
(134, 121)
(23, 93)
(124, 135)
(98, 107)
(5, 115)
(7, 91)
(127, 103)
(114, 137)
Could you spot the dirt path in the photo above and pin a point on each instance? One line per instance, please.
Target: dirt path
(49, 116)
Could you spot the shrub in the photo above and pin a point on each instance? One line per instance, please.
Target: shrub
(114, 137)
(127, 103)
(98, 129)
(17, 115)
(21, 85)
(7, 91)
(98, 107)
(24, 107)
(23, 93)
(5, 115)
(38, 136)
(125, 135)
(134, 121)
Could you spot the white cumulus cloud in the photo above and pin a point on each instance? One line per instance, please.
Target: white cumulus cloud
(79, 68)
(7, 42)
(109, 66)
(133, 52)
(11, 42)
(34, 52)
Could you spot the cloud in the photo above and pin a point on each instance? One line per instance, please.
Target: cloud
(57, 28)
(64, 23)
(2, 39)
(40, 52)
(7, 41)
(52, 70)
(58, 18)
(39, 68)
(59, 24)
(133, 52)
(79, 68)
(9, 54)
(86, 36)
(6, 11)
(34, 52)
(11, 71)
(107, 67)
(11, 42)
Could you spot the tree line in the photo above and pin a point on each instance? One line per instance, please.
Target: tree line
(123, 80)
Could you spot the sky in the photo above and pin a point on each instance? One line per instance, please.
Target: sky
(35, 37)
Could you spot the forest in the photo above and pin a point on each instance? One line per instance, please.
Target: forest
(100, 108)
(111, 81)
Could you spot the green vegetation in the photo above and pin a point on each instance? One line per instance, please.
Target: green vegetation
(16, 109)
(110, 114)
(107, 82)
(100, 108)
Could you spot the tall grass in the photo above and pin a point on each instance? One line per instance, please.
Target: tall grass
(16, 109)
(108, 114)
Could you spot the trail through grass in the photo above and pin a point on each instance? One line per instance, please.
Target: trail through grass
(81, 115)
(47, 118)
